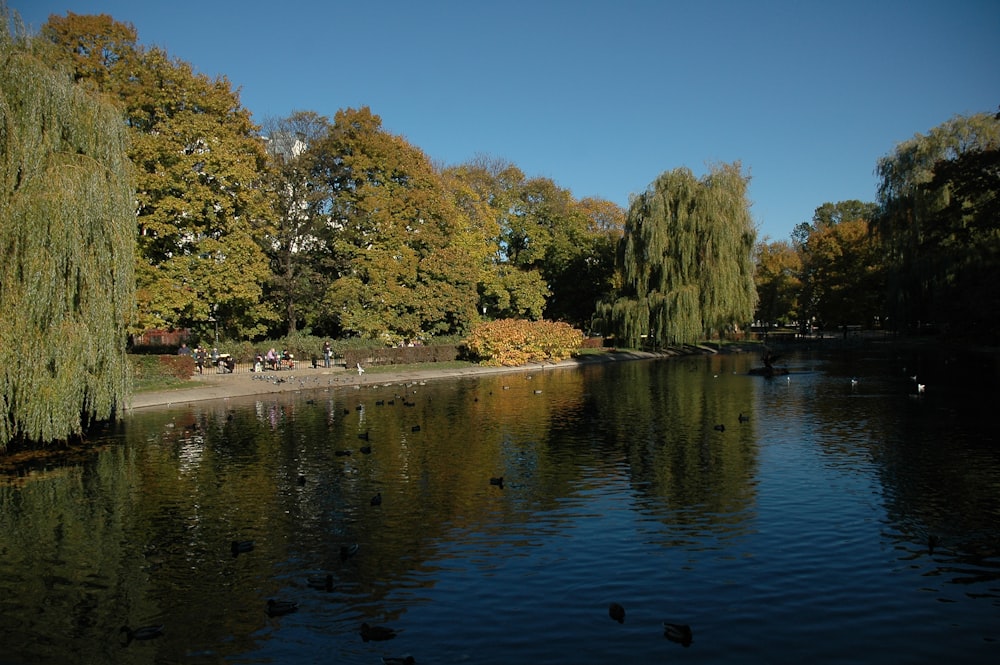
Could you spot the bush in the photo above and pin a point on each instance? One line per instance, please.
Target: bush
(513, 342)
(179, 367)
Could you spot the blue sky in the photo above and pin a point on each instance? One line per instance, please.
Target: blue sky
(602, 97)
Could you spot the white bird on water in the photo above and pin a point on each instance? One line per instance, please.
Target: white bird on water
(920, 388)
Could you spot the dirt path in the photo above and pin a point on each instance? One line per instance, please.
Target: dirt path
(222, 386)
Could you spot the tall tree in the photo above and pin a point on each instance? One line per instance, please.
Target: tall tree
(777, 276)
(199, 164)
(67, 234)
(407, 269)
(842, 270)
(507, 288)
(937, 196)
(685, 259)
(843, 274)
(297, 244)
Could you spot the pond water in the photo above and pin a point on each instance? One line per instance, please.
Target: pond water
(834, 522)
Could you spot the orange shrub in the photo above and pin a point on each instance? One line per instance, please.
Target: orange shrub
(513, 342)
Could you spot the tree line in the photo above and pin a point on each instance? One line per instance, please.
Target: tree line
(175, 210)
(921, 258)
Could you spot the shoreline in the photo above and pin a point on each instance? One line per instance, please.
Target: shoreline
(226, 386)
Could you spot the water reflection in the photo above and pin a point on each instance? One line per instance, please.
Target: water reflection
(636, 483)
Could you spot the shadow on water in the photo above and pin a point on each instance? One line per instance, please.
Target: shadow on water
(684, 489)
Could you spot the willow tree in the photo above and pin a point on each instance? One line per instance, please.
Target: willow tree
(67, 239)
(686, 259)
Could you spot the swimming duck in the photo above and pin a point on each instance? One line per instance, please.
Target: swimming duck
(277, 608)
(398, 660)
(744, 419)
(342, 453)
(678, 632)
(415, 428)
(363, 436)
(347, 551)
(720, 428)
(616, 612)
(324, 583)
(497, 481)
(239, 547)
(377, 499)
(376, 633)
(142, 633)
(366, 450)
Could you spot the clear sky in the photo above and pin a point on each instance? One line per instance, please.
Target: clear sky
(603, 96)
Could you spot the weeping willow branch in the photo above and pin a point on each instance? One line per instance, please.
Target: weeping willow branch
(685, 259)
(67, 235)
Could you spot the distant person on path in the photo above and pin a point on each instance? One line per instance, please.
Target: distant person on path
(184, 350)
(199, 359)
(272, 358)
(327, 353)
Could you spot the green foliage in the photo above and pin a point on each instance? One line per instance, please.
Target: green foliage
(66, 251)
(685, 260)
(198, 163)
(404, 269)
(843, 274)
(514, 342)
(941, 235)
(299, 243)
(546, 254)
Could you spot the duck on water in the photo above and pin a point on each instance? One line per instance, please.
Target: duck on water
(768, 358)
